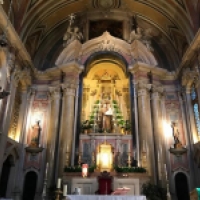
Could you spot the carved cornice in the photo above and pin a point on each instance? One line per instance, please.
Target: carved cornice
(190, 53)
(163, 74)
(70, 68)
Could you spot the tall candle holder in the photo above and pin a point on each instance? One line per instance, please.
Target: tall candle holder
(129, 159)
(93, 158)
(118, 158)
(79, 159)
(44, 191)
(58, 193)
(67, 159)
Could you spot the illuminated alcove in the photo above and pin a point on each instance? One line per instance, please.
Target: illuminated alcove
(105, 100)
(104, 157)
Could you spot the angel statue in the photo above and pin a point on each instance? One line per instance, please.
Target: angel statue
(71, 35)
(135, 35)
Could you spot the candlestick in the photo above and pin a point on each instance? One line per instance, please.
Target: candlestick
(47, 166)
(65, 190)
(59, 183)
(144, 146)
(165, 168)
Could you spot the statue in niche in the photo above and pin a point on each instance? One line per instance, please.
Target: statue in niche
(107, 118)
(177, 143)
(35, 135)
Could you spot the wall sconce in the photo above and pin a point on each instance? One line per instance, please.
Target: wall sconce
(84, 170)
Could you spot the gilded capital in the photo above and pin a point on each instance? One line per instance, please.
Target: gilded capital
(54, 92)
(68, 89)
(22, 76)
(157, 91)
(143, 86)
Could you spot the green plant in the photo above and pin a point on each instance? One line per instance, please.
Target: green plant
(114, 102)
(97, 101)
(78, 169)
(86, 125)
(121, 123)
(130, 169)
(154, 192)
(127, 125)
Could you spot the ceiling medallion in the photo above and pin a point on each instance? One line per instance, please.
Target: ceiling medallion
(106, 4)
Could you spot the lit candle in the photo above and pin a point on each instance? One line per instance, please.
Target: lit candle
(59, 183)
(65, 190)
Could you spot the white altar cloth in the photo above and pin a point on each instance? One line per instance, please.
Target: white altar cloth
(104, 197)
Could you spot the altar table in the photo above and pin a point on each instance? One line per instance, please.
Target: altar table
(104, 197)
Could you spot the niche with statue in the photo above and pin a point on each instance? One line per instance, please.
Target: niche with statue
(106, 106)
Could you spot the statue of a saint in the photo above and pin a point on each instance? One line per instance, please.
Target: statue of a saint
(177, 143)
(107, 118)
(35, 135)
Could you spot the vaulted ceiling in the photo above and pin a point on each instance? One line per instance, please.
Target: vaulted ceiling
(41, 24)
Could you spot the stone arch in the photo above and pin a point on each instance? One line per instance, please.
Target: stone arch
(30, 185)
(106, 56)
(5, 175)
(181, 186)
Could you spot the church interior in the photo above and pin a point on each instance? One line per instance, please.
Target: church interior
(99, 97)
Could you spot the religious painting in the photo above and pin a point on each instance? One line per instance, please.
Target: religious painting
(97, 28)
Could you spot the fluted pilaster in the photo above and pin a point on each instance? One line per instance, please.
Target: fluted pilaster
(146, 145)
(52, 138)
(67, 125)
(156, 95)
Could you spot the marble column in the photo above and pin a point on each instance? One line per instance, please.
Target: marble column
(158, 131)
(52, 137)
(67, 125)
(146, 143)
(192, 135)
(4, 127)
(24, 108)
(134, 110)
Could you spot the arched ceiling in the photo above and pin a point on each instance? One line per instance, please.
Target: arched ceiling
(41, 24)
